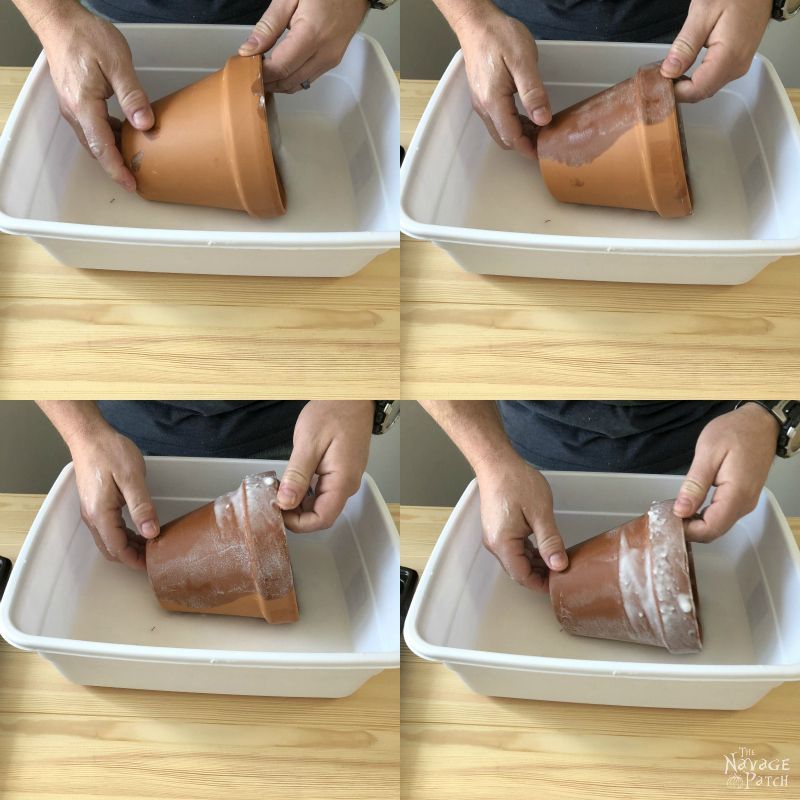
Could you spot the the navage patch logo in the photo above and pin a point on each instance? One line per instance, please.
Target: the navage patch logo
(743, 769)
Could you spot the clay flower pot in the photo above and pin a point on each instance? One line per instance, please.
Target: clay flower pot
(227, 557)
(210, 145)
(623, 147)
(635, 583)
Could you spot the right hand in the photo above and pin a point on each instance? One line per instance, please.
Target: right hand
(110, 473)
(89, 62)
(501, 60)
(516, 502)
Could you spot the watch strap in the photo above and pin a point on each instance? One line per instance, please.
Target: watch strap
(382, 5)
(386, 412)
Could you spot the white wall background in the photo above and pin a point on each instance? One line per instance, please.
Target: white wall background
(19, 47)
(32, 453)
(434, 473)
(427, 44)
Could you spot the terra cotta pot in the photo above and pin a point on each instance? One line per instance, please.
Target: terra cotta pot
(210, 145)
(635, 583)
(623, 147)
(227, 557)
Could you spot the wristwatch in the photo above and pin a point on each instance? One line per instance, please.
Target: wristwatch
(382, 5)
(386, 414)
(784, 9)
(787, 412)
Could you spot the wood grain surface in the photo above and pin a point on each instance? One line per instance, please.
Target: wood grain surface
(473, 336)
(60, 740)
(456, 744)
(103, 333)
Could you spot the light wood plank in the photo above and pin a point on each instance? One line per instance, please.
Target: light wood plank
(457, 744)
(58, 739)
(472, 336)
(103, 333)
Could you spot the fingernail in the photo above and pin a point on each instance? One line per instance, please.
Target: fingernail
(140, 118)
(682, 505)
(149, 529)
(287, 496)
(541, 116)
(672, 63)
(250, 44)
(558, 561)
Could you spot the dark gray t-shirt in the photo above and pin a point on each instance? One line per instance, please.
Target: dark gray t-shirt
(615, 436)
(599, 20)
(196, 12)
(205, 428)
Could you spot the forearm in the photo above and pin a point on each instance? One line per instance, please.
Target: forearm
(73, 419)
(476, 428)
(44, 14)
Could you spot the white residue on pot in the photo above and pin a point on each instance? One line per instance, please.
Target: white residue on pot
(685, 603)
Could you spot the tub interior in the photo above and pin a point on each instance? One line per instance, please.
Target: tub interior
(342, 583)
(744, 161)
(747, 582)
(335, 144)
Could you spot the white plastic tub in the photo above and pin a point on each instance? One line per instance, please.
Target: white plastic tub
(339, 160)
(99, 622)
(490, 210)
(503, 640)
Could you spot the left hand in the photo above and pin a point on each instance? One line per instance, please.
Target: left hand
(734, 452)
(731, 30)
(331, 440)
(319, 32)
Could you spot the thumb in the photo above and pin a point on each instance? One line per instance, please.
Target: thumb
(533, 95)
(687, 44)
(297, 477)
(695, 486)
(548, 540)
(140, 506)
(269, 28)
(132, 99)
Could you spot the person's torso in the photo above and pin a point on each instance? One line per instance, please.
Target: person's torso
(618, 436)
(205, 428)
(599, 20)
(196, 12)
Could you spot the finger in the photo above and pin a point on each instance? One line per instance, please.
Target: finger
(297, 476)
(532, 94)
(111, 530)
(689, 41)
(504, 116)
(712, 74)
(513, 557)
(548, 540)
(695, 485)
(131, 97)
(269, 28)
(727, 506)
(310, 71)
(323, 511)
(102, 145)
(290, 54)
(140, 505)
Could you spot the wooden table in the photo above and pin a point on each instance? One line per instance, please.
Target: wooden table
(457, 745)
(105, 333)
(472, 336)
(59, 740)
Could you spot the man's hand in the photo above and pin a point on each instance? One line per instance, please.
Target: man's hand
(331, 440)
(89, 62)
(731, 30)
(734, 453)
(501, 60)
(319, 32)
(516, 502)
(110, 473)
